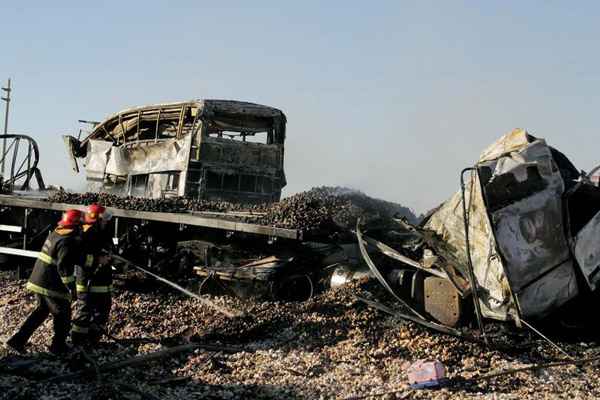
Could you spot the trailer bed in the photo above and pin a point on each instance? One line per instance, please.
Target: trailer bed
(212, 220)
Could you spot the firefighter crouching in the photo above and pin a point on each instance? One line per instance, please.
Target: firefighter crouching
(52, 282)
(93, 279)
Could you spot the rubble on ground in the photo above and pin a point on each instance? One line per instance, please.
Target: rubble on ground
(524, 240)
(330, 347)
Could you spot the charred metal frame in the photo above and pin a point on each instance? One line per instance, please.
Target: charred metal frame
(27, 169)
(188, 145)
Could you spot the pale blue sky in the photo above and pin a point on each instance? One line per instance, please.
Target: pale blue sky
(393, 98)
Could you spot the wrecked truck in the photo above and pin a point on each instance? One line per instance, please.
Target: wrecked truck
(177, 178)
(208, 149)
(211, 150)
(526, 224)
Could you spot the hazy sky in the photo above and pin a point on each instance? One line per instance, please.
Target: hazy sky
(393, 98)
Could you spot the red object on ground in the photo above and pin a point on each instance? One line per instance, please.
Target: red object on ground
(424, 373)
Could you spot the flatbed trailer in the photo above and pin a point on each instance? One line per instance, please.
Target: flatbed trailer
(23, 216)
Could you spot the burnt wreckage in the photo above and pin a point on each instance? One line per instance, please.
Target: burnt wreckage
(526, 224)
(189, 185)
(208, 149)
(197, 184)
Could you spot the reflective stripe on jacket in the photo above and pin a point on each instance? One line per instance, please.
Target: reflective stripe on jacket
(32, 287)
(93, 289)
(52, 273)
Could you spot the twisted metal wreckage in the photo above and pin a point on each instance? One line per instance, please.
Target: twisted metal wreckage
(212, 149)
(523, 230)
(519, 240)
(526, 224)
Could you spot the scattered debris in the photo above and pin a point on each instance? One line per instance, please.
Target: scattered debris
(142, 359)
(222, 310)
(330, 346)
(517, 243)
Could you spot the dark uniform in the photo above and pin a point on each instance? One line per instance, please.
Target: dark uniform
(94, 287)
(53, 283)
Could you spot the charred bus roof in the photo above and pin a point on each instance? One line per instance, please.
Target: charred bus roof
(134, 124)
(210, 149)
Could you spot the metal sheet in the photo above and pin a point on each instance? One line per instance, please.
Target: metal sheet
(547, 294)
(524, 197)
(95, 162)
(530, 237)
(390, 252)
(447, 222)
(587, 251)
(512, 141)
(520, 252)
(149, 157)
(69, 142)
(261, 159)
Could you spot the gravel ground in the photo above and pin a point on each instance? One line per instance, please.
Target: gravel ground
(329, 347)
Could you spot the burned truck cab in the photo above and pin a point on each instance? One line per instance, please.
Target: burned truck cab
(205, 149)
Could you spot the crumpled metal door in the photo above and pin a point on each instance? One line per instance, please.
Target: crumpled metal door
(523, 192)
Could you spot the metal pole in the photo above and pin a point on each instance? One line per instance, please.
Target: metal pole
(472, 278)
(20, 268)
(7, 89)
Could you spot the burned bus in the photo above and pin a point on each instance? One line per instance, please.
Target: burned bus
(206, 149)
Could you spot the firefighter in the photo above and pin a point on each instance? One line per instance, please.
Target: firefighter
(53, 284)
(93, 279)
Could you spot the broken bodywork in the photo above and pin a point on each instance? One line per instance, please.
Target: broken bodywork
(207, 149)
(533, 226)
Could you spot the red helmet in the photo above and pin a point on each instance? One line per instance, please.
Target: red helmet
(71, 218)
(95, 212)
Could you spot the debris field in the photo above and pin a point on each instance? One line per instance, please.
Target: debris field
(491, 293)
(330, 347)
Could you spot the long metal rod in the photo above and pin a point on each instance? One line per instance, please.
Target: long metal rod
(29, 171)
(14, 161)
(11, 228)
(25, 223)
(144, 359)
(557, 347)
(7, 89)
(472, 279)
(512, 371)
(222, 310)
(421, 321)
(19, 252)
(7, 150)
(157, 123)
(377, 273)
